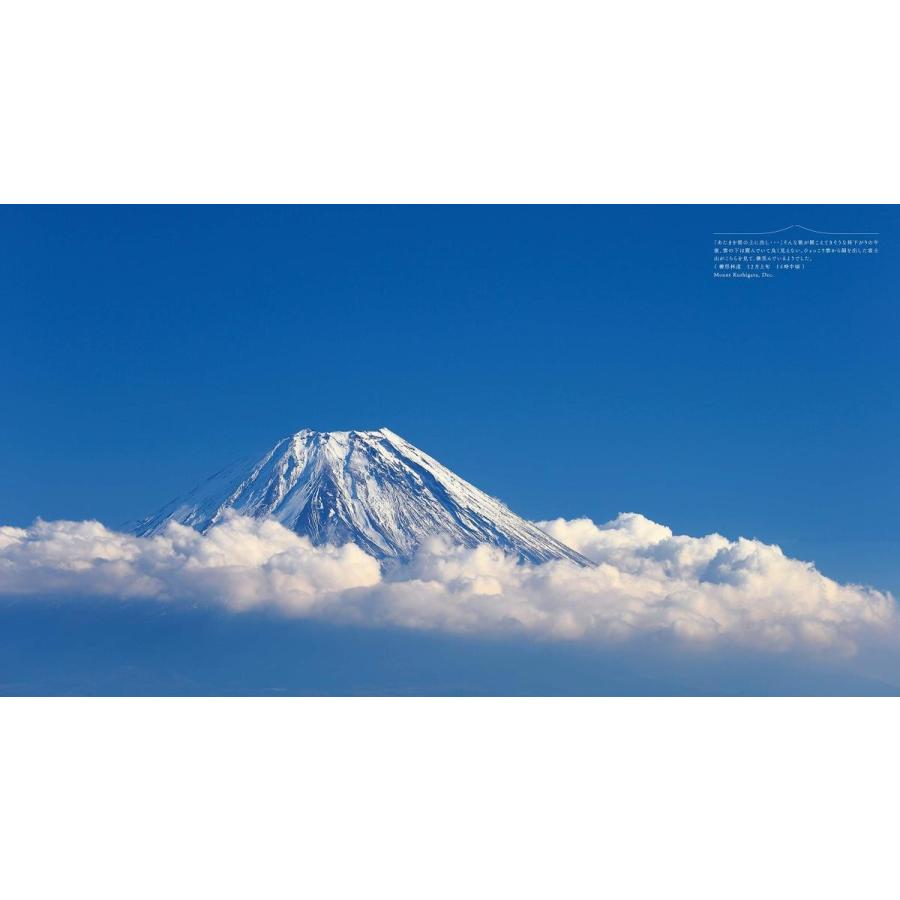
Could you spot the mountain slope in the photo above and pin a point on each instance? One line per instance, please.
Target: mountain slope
(371, 488)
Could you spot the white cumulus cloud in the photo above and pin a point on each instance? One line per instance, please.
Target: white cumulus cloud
(242, 563)
(647, 580)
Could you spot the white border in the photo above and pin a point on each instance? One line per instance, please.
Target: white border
(475, 101)
(448, 799)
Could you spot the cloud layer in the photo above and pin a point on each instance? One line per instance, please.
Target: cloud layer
(697, 590)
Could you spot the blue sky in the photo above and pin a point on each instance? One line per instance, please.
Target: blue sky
(141, 648)
(570, 360)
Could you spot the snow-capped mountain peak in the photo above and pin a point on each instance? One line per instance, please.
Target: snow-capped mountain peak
(371, 488)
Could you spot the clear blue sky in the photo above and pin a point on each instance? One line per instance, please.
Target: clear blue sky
(570, 360)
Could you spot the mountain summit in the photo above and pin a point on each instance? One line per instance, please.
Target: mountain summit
(371, 488)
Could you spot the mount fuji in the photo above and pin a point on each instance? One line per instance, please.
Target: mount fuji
(370, 488)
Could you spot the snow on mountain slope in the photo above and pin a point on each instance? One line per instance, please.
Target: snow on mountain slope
(371, 488)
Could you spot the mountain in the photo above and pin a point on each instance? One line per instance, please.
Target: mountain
(371, 488)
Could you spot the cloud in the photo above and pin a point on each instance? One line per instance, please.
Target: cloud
(243, 563)
(699, 591)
